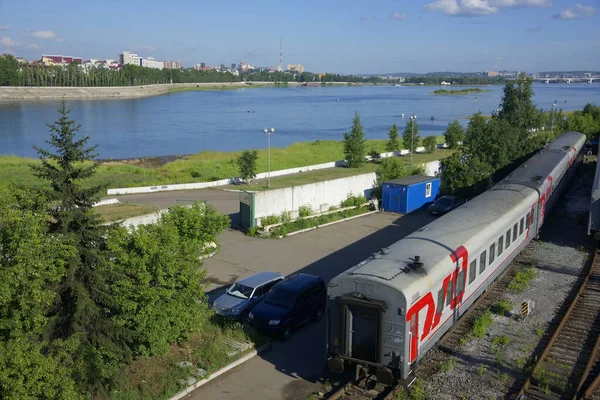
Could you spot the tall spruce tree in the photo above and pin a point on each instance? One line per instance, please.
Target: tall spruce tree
(393, 144)
(84, 302)
(354, 144)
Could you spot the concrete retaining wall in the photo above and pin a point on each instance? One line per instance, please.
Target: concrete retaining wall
(320, 196)
(431, 168)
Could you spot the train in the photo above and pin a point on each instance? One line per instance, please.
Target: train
(594, 214)
(386, 312)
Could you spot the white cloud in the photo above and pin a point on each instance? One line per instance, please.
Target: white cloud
(398, 16)
(47, 35)
(497, 58)
(4, 27)
(534, 29)
(145, 47)
(576, 12)
(520, 3)
(462, 8)
(8, 42)
(32, 46)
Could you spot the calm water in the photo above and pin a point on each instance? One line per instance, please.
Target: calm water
(190, 122)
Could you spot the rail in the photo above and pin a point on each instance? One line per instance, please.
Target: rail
(360, 389)
(566, 356)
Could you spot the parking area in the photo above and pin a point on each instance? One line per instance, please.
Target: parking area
(289, 370)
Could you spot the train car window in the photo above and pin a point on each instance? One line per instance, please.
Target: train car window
(507, 238)
(472, 271)
(482, 262)
(440, 303)
(500, 244)
(515, 229)
(460, 283)
(449, 293)
(492, 252)
(521, 227)
(527, 221)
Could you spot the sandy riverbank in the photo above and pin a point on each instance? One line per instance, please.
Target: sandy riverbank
(12, 93)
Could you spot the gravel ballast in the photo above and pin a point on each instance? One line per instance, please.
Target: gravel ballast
(496, 365)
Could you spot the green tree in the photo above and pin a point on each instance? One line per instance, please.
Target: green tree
(159, 280)
(354, 144)
(459, 174)
(454, 135)
(30, 369)
(430, 144)
(8, 70)
(393, 168)
(393, 144)
(410, 137)
(247, 164)
(84, 300)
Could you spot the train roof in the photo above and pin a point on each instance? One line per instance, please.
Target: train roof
(480, 219)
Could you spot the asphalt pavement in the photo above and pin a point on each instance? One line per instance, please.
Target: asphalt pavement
(292, 369)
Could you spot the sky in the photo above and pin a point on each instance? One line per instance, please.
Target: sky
(341, 36)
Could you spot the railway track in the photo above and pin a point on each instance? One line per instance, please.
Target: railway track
(569, 366)
(364, 388)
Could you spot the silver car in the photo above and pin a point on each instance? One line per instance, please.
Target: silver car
(241, 297)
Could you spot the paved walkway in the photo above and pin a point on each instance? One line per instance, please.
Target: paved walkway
(290, 370)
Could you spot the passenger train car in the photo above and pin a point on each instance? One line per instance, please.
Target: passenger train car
(594, 217)
(386, 312)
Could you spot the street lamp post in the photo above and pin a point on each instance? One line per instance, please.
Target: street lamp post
(269, 133)
(413, 119)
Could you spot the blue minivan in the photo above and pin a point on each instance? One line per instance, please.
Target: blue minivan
(291, 303)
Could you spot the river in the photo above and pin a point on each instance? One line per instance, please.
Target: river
(191, 122)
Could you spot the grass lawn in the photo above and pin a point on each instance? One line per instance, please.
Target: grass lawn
(158, 377)
(201, 167)
(304, 178)
(116, 212)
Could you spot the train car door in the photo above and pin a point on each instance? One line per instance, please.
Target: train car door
(413, 344)
(363, 335)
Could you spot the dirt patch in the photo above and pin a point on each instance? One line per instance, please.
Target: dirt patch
(144, 162)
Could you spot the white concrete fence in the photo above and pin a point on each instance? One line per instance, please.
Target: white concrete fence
(320, 196)
(262, 175)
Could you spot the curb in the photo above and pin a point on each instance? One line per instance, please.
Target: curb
(329, 223)
(215, 374)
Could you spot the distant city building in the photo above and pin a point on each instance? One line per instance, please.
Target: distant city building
(152, 63)
(492, 73)
(128, 57)
(222, 67)
(21, 60)
(295, 68)
(172, 65)
(233, 66)
(59, 60)
(198, 67)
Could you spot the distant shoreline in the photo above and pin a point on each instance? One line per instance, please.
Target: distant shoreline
(26, 93)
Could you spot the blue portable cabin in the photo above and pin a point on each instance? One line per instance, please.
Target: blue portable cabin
(407, 194)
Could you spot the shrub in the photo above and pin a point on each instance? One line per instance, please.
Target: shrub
(269, 220)
(305, 210)
(374, 154)
(286, 216)
(354, 200)
(503, 307)
(448, 365)
(195, 174)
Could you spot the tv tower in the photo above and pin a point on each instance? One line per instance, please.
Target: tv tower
(280, 66)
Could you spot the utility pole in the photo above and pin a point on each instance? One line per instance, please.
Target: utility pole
(413, 121)
(269, 133)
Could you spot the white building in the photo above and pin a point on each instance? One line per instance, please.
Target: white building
(152, 63)
(128, 57)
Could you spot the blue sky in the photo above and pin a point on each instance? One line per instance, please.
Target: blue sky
(344, 36)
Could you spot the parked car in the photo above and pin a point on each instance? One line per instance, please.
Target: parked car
(445, 204)
(294, 301)
(241, 297)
